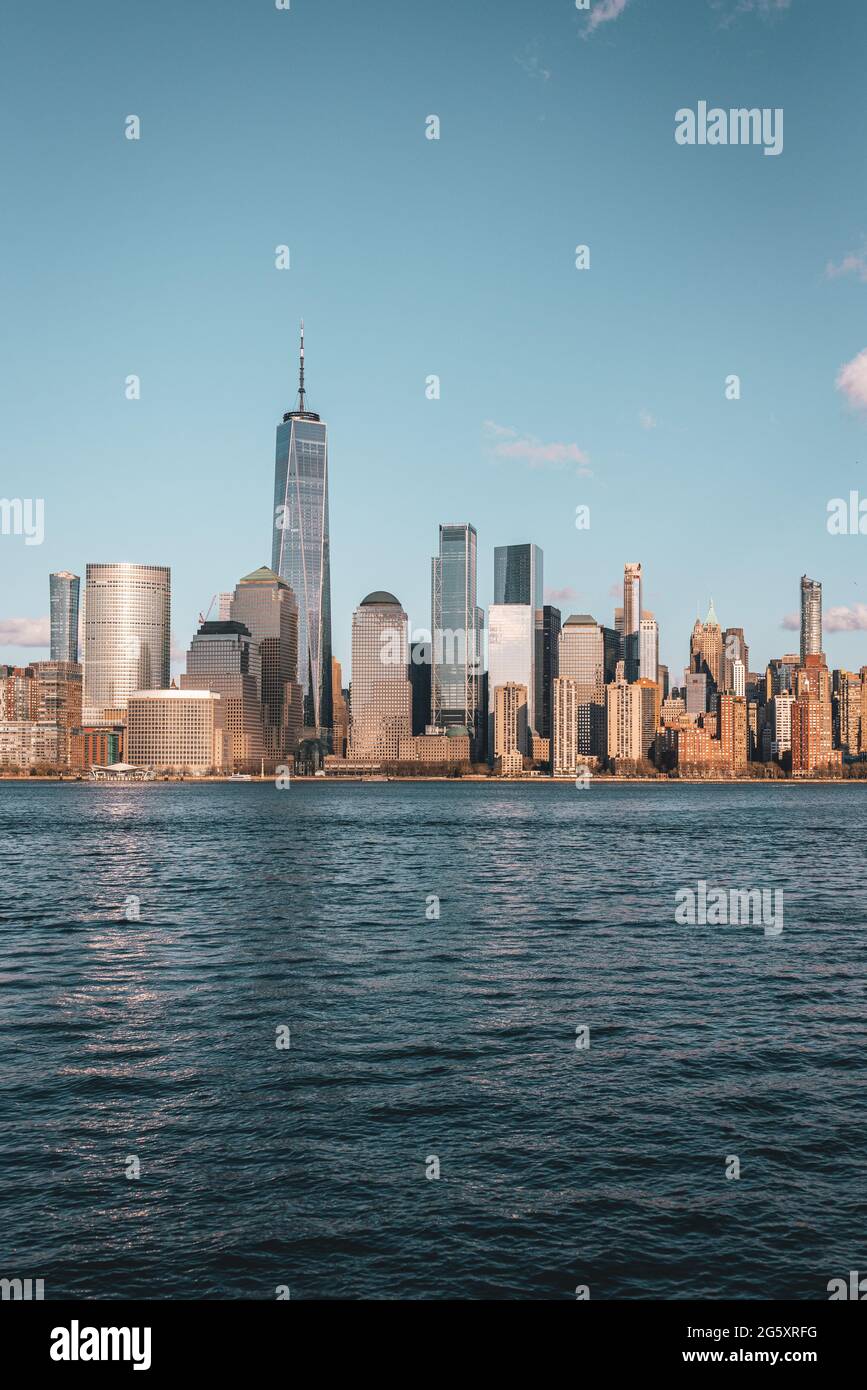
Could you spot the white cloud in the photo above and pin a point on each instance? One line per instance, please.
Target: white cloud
(845, 619)
(855, 263)
(566, 595)
(25, 632)
(603, 11)
(852, 381)
(512, 445)
(646, 420)
(791, 622)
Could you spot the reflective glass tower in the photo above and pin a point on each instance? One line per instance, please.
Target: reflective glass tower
(126, 634)
(518, 581)
(457, 629)
(63, 594)
(300, 552)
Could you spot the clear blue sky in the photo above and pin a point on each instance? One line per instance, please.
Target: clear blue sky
(411, 257)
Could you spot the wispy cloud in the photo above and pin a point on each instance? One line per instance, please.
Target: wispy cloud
(25, 632)
(646, 420)
(852, 381)
(566, 595)
(732, 9)
(845, 619)
(791, 622)
(602, 12)
(616, 590)
(853, 264)
(529, 60)
(512, 445)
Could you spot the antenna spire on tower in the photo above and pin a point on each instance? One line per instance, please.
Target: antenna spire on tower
(301, 376)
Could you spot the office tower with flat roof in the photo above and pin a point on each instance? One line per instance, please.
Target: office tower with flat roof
(663, 682)
(734, 649)
(519, 580)
(564, 754)
(59, 692)
(551, 624)
(582, 658)
(63, 589)
(649, 704)
(301, 552)
(419, 678)
(811, 617)
(509, 704)
(623, 708)
(846, 701)
(127, 634)
(631, 621)
(381, 712)
(457, 626)
(265, 605)
(224, 658)
(733, 731)
(511, 658)
(175, 731)
(340, 710)
(648, 648)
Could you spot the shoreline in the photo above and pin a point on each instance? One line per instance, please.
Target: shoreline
(545, 781)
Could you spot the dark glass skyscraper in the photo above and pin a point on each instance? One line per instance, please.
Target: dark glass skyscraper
(63, 594)
(551, 621)
(300, 552)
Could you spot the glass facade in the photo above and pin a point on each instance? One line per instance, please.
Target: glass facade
(457, 627)
(63, 593)
(518, 579)
(300, 555)
(127, 625)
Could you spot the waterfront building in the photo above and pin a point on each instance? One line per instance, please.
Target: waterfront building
(436, 750)
(340, 711)
(457, 627)
(127, 633)
(847, 701)
(31, 743)
(623, 708)
(649, 705)
(224, 658)
(582, 658)
(420, 681)
(63, 591)
(265, 605)
(733, 731)
(59, 688)
(565, 719)
(551, 624)
(17, 694)
(812, 735)
(510, 703)
(177, 731)
(519, 580)
(512, 650)
(97, 746)
(381, 712)
(301, 554)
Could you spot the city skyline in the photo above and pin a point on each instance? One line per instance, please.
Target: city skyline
(557, 387)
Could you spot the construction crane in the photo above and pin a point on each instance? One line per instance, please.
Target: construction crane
(203, 617)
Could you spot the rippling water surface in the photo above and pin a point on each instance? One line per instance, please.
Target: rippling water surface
(413, 1037)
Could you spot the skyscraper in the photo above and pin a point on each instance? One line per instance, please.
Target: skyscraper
(582, 659)
(457, 625)
(300, 552)
(224, 658)
(509, 720)
(811, 617)
(127, 633)
(648, 648)
(511, 660)
(519, 579)
(551, 621)
(706, 648)
(266, 607)
(63, 595)
(381, 712)
(631, 620)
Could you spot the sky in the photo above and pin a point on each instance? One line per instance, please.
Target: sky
(410, 257)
